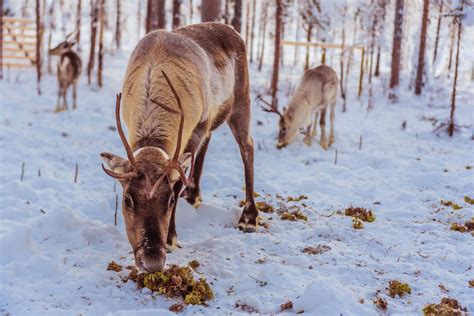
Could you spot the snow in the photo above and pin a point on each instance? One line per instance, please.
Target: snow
(57, 236)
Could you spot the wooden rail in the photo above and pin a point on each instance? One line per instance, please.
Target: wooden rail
(18, 43)
(336, 46)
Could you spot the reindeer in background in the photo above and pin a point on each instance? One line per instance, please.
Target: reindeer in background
(316, 91)
(69, 70)
(179, 87)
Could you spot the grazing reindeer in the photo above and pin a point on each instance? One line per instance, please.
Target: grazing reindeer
(178, 88)
(315, 92)
(69, 70)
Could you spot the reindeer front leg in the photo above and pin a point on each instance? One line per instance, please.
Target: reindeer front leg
(322, 122)
(192, 193)
(239, 125)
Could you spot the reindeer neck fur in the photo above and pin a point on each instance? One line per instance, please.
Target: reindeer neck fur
(203, 78)
(299, 108)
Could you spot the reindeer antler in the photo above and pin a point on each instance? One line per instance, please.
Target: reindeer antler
(271, 107)
(131, 158)
(125, 143)
(174, 162)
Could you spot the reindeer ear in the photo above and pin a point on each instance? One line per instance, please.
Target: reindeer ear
(184, 161)
(116, 164)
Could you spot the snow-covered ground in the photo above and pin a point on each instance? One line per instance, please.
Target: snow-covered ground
(57, 236)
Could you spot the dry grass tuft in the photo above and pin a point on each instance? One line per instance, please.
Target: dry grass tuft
(447, 306)
(360, 213)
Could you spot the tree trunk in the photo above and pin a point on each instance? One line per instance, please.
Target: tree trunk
(308, 40)
(38, 45)
(161, 12)
(438, 28)
(247, 25)
(139, 18)
(78, 24)
(94, 19)
(276, 58)
(252, 32)
(210, 10)
(263, 35)
(237, 19)
(176, 14)
(226, 12)
(100, 65)
(118, 31)
(149, 16)
(451, 48)
(377, 62)
(421, 53)
(453, 94)
(397, 44)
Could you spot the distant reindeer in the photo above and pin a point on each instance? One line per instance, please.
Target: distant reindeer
(179, 87)
(69, 70)
(316, 91)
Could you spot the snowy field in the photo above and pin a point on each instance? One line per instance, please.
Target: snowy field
(57, 236)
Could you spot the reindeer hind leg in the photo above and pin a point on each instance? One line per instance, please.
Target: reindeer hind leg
(322, 123)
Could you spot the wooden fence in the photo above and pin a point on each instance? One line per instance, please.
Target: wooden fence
(335, 46)
(18, 43)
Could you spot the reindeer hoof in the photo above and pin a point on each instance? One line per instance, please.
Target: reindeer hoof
(173, 244)
(248, 222)
(307, 141)
(324, 144)
(331, 140)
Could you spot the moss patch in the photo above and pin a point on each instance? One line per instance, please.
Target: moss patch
(468, 226)
(114, 266)
(395, 288)
(296, 198)
(380, 303)
(174, 282)
(468, 200)
(293, 216)
(447, 306)
(453, 205)
(357, 223)
(360, 213)
(265, 207)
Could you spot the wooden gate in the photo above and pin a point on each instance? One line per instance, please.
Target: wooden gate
(18, 43)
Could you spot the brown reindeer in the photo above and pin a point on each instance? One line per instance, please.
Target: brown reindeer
(316, 91)
(179, 87)
(69, 70)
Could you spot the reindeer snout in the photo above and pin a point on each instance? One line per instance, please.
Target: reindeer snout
(150, 261)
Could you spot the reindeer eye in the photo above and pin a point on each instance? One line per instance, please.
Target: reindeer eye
(127, 201)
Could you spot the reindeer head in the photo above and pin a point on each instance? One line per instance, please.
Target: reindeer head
(65, 46)
(287, 132)
(152, 182)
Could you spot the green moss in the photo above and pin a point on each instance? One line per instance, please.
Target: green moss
(175, 282)
(468, 226)
(296, 198)
(447, 306)
(357, 223)
(265, 207)
(360, 213)
(194, 264)
(395, 288)
(453, 205)
(114, 266)
(293, 216)
(200, 293)
(468, 200)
